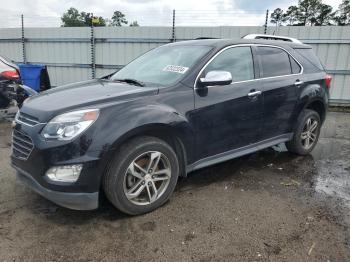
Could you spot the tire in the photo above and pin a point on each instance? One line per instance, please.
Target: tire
(299, 144)
(127, 175)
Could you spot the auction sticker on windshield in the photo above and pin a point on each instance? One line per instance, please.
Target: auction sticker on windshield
(175, 69)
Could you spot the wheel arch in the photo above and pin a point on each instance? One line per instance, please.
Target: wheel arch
(176, 137)
(318, 106)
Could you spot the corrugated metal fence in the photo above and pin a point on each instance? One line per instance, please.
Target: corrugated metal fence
(68, 52)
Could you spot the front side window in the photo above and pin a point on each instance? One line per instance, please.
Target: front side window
(162, 66)
(274, 62)
(236, 60)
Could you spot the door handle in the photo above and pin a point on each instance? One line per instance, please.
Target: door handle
(254, 93)
(298, 83)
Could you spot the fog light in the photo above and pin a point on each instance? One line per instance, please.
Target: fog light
(64, 173)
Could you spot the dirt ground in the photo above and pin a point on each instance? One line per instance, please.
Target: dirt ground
(267, 206)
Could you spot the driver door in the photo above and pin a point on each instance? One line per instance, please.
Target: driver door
(228, 117)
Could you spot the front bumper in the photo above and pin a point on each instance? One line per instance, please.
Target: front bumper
(42, 155)
(77, 201)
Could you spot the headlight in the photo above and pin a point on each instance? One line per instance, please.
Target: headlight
(69, 125)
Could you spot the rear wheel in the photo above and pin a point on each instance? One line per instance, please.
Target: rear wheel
(142, 176)
(306, 133)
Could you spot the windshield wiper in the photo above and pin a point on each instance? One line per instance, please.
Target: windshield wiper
(130, 81)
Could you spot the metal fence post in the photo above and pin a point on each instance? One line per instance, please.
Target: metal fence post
(266, 20)
(173, 35)
(23, 41)
(92, 46)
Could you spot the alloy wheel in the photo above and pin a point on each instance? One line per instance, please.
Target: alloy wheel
(147, 178)
(309, 134)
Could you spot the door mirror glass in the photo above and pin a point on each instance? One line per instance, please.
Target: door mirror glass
(216, 78)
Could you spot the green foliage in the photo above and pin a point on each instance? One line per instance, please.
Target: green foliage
(307, 11)
(73, 18)
(312, 13)
(291, 15)
(325, 15)
(342, 16)
(277, 17)
(118, 19)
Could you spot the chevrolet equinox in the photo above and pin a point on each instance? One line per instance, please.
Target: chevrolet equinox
(177, 108)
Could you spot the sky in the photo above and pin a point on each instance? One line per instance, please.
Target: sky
(147, 12)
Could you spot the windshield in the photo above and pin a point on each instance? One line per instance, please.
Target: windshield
(163, 66)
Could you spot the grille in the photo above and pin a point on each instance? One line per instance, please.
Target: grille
(22, 145)
(27, 119)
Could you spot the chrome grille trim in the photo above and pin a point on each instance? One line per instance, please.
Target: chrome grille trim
(26, 119)
(22, 145)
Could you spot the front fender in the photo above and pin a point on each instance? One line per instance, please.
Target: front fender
(124, 121)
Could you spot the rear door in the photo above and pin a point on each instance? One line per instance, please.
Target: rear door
(280, 76)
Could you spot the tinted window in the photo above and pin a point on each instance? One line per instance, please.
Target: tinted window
(274, 62)
(237, 60)
(295, 66)
(308, 54)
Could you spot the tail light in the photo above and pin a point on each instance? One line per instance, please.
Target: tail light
(12, 74)
(328, 80)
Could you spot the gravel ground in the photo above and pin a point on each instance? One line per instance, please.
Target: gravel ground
(267, 206)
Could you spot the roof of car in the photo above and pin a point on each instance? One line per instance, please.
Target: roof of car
(226, 42)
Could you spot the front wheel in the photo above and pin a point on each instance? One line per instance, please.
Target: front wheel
(306, 133)
(142, 176)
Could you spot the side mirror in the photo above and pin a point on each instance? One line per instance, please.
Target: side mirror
(216, 78)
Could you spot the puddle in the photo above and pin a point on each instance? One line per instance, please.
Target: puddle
(333, 179)
(333, 168)
(332, 161)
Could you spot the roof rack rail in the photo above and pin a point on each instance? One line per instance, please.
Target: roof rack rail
(272, 37)
(205, 37)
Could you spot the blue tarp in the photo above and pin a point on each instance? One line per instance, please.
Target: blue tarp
(30, 75)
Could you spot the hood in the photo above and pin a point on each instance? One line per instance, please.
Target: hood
(82, 94)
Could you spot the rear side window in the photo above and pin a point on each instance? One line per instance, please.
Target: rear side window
(309, 55)
(295, 66)
(236, 60)
(274, 62)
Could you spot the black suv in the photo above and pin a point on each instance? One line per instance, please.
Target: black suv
(178, 108)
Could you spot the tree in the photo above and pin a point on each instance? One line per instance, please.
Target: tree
(72, 18)
(343, 14)
(307, 11)
(291, 15)
(98, 20)
(118, 19)
(101, 21)
(324, 16)
(312, 13)
(134, 23)
(277, 17)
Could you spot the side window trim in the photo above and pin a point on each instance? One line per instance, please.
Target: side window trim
(254, 60)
